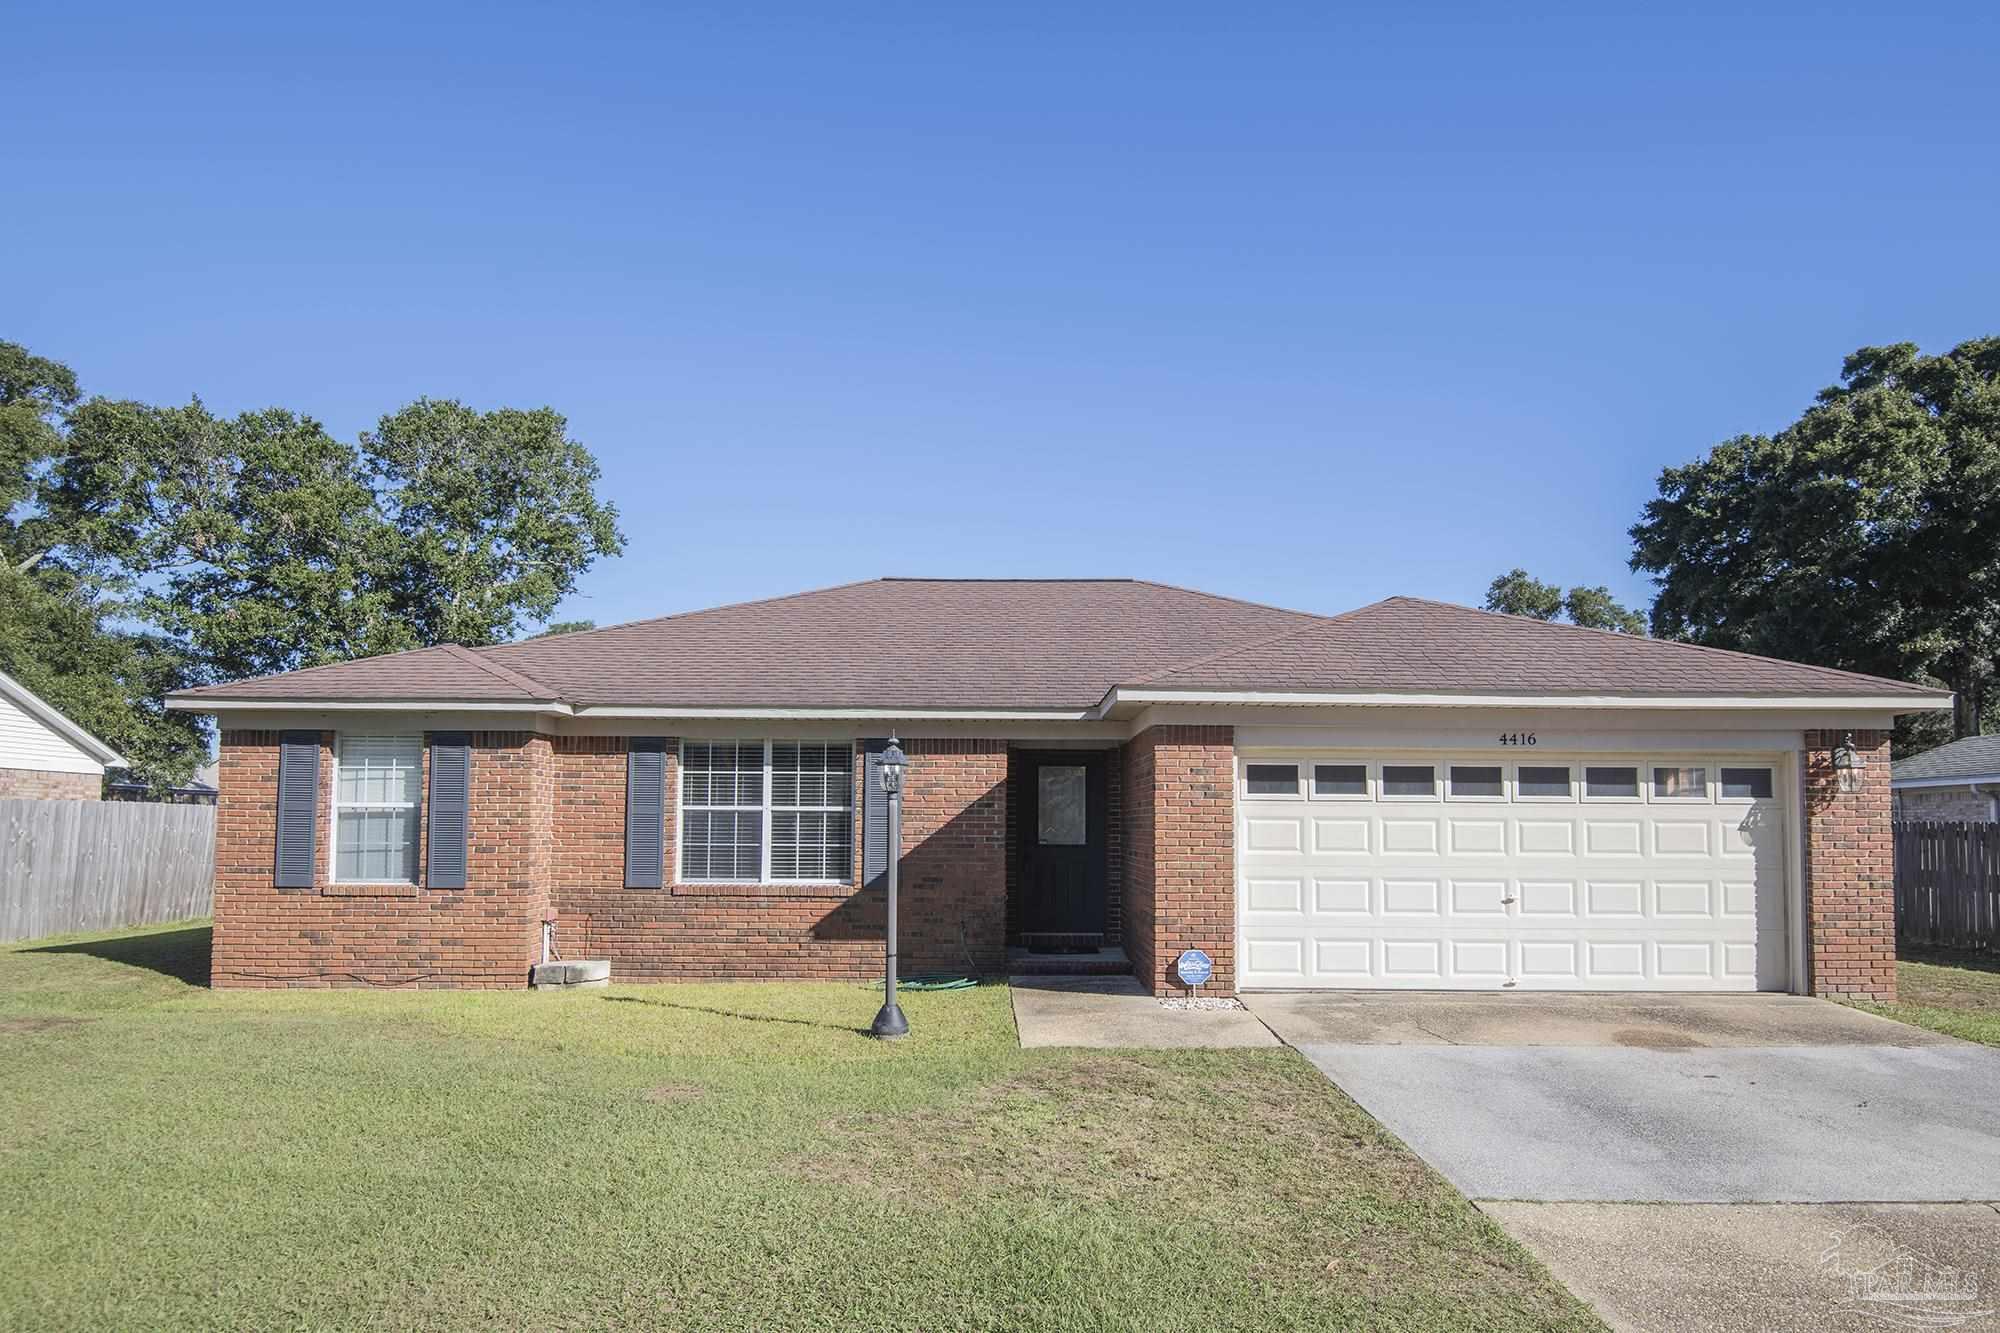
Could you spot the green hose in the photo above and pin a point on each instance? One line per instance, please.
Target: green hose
(936, 981)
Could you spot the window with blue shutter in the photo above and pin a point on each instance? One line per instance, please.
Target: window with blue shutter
(646, 812)
(450, 812)
(298, 808)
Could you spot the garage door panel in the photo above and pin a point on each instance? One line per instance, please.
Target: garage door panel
(1266, 833)
(1409, 837)
(1481, 960)
(1486, 892)
(1338, 837)
(1478, 837)
(1547, 897)
(1614, 837)
(1479, 897)
(1680, 837)
(1280, 896)
(1545, 837)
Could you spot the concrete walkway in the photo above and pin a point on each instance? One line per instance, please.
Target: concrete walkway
(1755, 1162)
(1109, 1012)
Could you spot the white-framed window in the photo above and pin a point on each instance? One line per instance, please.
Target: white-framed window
(766, 812)
(378, 784)
(1339, 782)
(1268, 780)
(1409, 782)
(1476, 782)
(1745, 784)
(1611, 782)
(1680, 784)
(1543, 782)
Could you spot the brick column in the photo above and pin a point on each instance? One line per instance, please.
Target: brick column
(1850, 869)
(1180, 852)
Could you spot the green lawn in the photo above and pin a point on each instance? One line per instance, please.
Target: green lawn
(1959, 996)
(689, 1157)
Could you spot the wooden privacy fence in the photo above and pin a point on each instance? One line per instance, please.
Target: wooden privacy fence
(95, 865)
(1948, 885)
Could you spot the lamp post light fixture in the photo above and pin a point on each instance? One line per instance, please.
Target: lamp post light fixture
(890, 1021)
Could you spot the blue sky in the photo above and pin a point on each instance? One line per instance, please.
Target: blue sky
(1291, 303)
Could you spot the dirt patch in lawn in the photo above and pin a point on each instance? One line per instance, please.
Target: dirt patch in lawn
(39, 1023)
(668, 1094)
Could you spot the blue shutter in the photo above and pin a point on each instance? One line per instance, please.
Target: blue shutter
(450, 810)
(645, 812)
(874, 817)
(298, 808)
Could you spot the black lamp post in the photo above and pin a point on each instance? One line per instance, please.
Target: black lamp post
(890, 1022)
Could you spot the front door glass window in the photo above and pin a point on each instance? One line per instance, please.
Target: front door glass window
(1061, 812)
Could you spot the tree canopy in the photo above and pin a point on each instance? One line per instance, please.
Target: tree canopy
(1518, 593)
(1865, 535)
(172, 546)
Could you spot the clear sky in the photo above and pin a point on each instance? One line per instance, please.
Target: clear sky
(1286, 302)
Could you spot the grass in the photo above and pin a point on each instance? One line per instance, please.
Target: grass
(687, 1157)
(1958, 995)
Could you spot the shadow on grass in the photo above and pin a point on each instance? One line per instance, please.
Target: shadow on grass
(731, 1013)
(1966, 958)
(180, 954)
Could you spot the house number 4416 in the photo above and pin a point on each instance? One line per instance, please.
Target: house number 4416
(1517, 738)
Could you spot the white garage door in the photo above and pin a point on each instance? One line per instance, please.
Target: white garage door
(1547, 872)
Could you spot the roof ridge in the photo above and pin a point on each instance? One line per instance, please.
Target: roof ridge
(1648, 638)
(682, 615)
(1239, 601)
(520, 680)
(1315, 622)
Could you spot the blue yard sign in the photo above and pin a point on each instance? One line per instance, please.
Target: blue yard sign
(1195, 967)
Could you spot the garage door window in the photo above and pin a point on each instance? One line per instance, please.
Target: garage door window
(1271, 779)
(1542, 782)
(1680, 784)
(1477, 780)
(1611, 784)
(1746, 784)
(1409, 780)
(1335, 781)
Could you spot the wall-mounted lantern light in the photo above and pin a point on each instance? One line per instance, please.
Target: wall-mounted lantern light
(1847, 763)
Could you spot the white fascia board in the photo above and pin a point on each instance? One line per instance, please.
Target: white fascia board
(1913, 784)
(46, 714)
(1379, 699)
(849, 714)
(364, 706)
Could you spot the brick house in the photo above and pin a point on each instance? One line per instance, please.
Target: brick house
(43, 755)
(1955, 783)
(1409, 795)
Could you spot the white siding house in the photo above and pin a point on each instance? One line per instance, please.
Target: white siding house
(44, 755)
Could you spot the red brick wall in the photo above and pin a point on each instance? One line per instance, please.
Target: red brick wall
(485, 935)
(1850, 870)
(1180, 852)
(29, 784)
(951, 892)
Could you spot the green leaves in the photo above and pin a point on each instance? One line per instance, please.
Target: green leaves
(243, 546)
(1865, 535)
(1517, 593)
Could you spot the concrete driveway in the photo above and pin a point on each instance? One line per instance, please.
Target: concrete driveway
(1691, 1161)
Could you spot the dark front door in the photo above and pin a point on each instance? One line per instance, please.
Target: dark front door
(1062, 848)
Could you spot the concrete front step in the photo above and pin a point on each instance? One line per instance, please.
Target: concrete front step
(1109, 962)
(576, 972)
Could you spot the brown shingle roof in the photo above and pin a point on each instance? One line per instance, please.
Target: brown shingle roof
(1043, 644)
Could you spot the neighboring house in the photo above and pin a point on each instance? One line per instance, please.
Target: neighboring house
(1959, 782)
(1409, 795)
(44, 755)
(198, 790)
